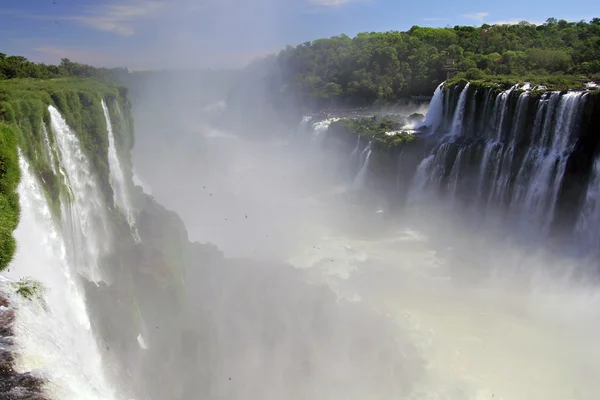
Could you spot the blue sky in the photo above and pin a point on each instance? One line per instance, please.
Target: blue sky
(229, 33)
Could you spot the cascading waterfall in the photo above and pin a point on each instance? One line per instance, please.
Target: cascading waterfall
(514, 148)
(117, 177)
(420, 179)
(503, 166)
(460, 112)
(360, 179)
(454, 174)
(85, 223)
(587, 230)
(48, 149)
(549, 168)
(53, 333)
(319, 128)
(435, 113)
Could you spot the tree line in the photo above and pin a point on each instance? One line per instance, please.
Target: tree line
(385, 67)
(13, 67)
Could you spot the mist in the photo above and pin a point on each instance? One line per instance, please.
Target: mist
(330, 293)
(262, 256)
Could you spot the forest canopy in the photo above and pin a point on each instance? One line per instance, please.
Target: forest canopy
(12, 67)
(385, 67)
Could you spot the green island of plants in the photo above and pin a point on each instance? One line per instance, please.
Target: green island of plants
(384, 132)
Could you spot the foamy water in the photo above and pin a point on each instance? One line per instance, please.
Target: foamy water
(479, 341)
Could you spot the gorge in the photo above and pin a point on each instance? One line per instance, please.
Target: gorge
(446, 259)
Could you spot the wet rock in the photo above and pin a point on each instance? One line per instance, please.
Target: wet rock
(14, 385)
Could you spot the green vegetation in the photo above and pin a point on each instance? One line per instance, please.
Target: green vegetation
(552, 82)
(29, 289)
(13, 67)
(375, 129)
(25, 124)
(384, 67)
(9, 200)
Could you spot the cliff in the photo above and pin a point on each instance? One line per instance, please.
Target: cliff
(526, 155)
(59, 131)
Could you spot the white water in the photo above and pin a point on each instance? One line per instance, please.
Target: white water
(549, 168)
(587, 230)
(48, 149)
(320, 128)
(56, 339)
(435, 113)
(496, 340)
(117, 177)
(457, 121)
(360, 179)
(85, 224)
(420, 180)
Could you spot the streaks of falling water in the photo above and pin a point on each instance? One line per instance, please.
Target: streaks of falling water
(435, 113)
(500, 186)
(48, 149)
(355, 151)
(117, 176)
(420, 179)
(541, 195)
(459, 113)
(84, 217)
(454, 174)
(53, 336)
(587, 229)
(360, 179)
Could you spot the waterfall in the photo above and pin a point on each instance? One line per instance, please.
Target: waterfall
(435, 113)
(360, 179)
(52, 334)
(514, 154)
(355, 151)
(421, 179)
(454, 174)
(500, 186)
(320, 128)
(548, 170)
(48, 149)
(587, 229)
(117, 177)
(460, 112)
(85, 223)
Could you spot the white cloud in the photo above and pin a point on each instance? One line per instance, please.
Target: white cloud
(514, 21)
(117, 18)
(330, 3)
(478, 16)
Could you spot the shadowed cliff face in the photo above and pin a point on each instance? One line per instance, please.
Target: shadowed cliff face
(228, 328)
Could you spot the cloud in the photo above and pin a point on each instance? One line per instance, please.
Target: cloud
(515, 21)
(96, 56)
(330, 3)
(117, 18)
(478, 16)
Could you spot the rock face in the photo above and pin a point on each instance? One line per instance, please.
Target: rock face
(14, 385)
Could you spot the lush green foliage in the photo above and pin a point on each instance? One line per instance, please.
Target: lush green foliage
(383, 67)
(12, 67)
(25, 123)
(30, 289)
(9, 200)
(552, 82)
(375, 129)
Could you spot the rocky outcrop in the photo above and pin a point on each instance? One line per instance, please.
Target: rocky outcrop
(14, 385)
